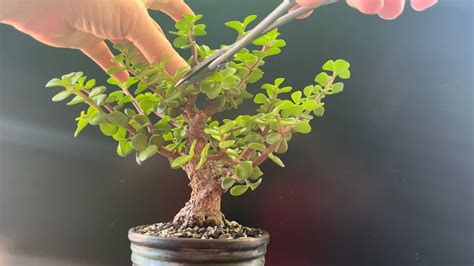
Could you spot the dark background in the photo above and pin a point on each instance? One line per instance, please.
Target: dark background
(385, 178)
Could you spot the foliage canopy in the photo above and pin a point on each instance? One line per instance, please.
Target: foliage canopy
(148, 115)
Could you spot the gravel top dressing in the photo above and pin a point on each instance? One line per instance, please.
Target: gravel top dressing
(231, 230)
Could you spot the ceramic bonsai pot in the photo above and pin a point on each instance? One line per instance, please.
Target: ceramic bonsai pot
(160, 251)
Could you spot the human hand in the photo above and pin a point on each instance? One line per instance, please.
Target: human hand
(386, 9)
(85, 24)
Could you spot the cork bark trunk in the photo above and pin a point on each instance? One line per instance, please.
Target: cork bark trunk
(204, 206)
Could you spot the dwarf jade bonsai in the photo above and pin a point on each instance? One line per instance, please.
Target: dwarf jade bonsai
(149, 115)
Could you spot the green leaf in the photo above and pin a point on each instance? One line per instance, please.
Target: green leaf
(96, 91)
(293, 111)
(344, 74)
(113, 81)
(308, 91)
(255, 76)
(181, 24)
(329, 65)
(276, 160)
(296, 96)
(226, 144)
(118, 119)
(248, 20)
(244, 170)
(61, 96)
(211, 131)
(341, 65)
(120, 134)
(302, 127)
(199, 30)
(141, 87)
(137, 158)
(97, 118)
(114, 96)
(193, 146)
(156, 140)
(260, 98)
(139, 142)
(256, 173)
(81, 124)
(54, 83)
(180, 42)
(203, 158)
(282, 147)
(172, 94)
(115, 69)
(142, 119)
(227, 182)
(322, 78)
(273, 138)
(148, 152)
(254, 185)
(230, 82)
(338, 87)
(124, 148)
(227, 126)
(235, 25)
(310, 105)
(131, 81)
(73, 77)
(108, 129)
(181, 160)
(118, 58)
(75, 100)
(238, 190)
(319, 112)
(125, 99)
(257, 146)
(211, 90)
(100, 99)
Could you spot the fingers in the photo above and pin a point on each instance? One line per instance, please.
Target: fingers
(388, 9)
(392, 9)
(309, 3)
(420, 5)
(367, 6)
(154, 45)
(174, 8)
(305, 15)
(101, 54)
(139, 57)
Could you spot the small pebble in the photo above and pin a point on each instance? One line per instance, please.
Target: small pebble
(230, 230)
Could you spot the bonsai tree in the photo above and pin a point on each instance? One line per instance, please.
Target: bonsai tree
(148, 115)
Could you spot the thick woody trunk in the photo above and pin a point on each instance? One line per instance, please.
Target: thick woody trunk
(204, 206)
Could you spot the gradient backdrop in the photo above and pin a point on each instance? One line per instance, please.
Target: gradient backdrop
(386, 178)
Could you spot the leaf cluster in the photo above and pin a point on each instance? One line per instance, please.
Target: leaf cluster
(148, 115)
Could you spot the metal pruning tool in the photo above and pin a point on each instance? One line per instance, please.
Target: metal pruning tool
(277, 18)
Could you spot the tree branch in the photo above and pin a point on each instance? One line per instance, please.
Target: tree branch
(270, 149)
(167, 153)
(211, 110)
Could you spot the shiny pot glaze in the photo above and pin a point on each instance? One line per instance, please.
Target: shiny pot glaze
(160, 251)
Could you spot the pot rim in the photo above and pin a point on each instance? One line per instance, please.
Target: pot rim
(193, 243)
